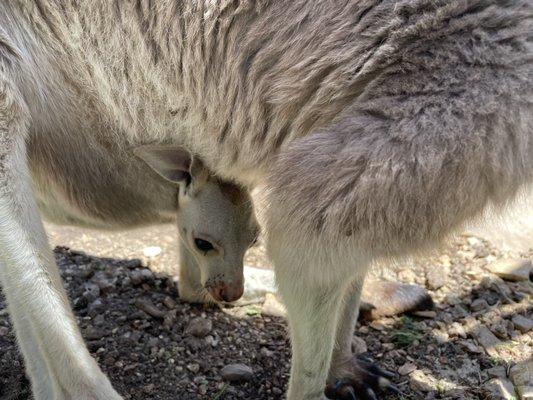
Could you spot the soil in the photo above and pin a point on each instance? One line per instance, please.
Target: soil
(153, 346)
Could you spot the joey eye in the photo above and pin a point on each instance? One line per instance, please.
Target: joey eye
(203, 245)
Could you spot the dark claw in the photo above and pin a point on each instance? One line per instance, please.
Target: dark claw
(332, 390)
(379, 371)
(347, 393)
(364, 358)
(394, 389)
(340, 390)
(370, 395)
(361, 382)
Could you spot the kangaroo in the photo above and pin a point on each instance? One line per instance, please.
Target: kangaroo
(377, 128)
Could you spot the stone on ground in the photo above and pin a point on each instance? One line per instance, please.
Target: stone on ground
(512, 269)
(236, 373)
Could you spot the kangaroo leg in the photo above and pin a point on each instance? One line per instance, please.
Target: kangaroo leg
(31, 279)
(42, 382)
(312, 287)
(351, 376)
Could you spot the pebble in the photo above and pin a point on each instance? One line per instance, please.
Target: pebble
(441, 337)
(512, 269)
(453, 300)
(497, 372)
(236, 373)
(525, 392)
(425, 314)
(95, 308)
(522, 373)
(456, 329)
(152, 251)
(139, 276)
(92, 291)
(487, 339)
(470, 346)
(406, 369)
(436, 278)
(3, 331)
(266, 352)
(144, 304)
(407, 275)
(199, 327)
(92, 333)
(479, 304)
(194, 367)
(420, 381)
(500, 389)
(523, 324)
(169, 302)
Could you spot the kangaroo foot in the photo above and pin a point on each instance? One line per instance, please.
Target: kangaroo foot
(358, 378)
(385, 299)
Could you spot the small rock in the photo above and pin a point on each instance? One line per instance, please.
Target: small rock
(358, 345)
(199, 327)
(440, 336)
(236, 373)
(406, 369)
(479, 304)
(436, 278)
(92, 291)
(149, 308)
(523, 324)
(453, 300)
(149, 388)
(272, 306)
(92, 333)
(139, 276)
(152, 251)
(512, 269)
(522, 374)
(95, 308)
(169, 302)
(170, 319)
(194, 367)
(525, 392)
(211, 340)
(456, 329)
(378, 325)
(487, 339)
(419, 381)
(133, 263)
(3, 331)
(426, 314)
(497, 372)
(471, 347)
(500, 389)
(407, 275)
(266, 352)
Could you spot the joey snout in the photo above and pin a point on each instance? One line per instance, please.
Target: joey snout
(222, 290)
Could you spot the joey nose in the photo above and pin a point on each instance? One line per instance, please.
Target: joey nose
(227, 293)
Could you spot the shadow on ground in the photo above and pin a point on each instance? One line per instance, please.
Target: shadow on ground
(152, 346)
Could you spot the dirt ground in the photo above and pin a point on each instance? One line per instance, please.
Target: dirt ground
(153, 346)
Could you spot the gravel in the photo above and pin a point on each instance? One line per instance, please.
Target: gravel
(154, 346)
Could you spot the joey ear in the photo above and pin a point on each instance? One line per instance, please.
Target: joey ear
(171, 162)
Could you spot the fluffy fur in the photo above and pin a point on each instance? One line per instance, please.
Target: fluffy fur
(377, 126)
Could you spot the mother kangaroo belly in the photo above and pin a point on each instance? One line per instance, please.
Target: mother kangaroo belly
(80, 180)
